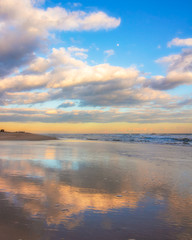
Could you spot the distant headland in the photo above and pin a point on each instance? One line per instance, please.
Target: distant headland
(23, 136)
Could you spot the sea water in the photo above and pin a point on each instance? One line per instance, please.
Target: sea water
(174, 139)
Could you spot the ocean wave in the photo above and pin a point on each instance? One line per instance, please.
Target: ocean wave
(172, 139)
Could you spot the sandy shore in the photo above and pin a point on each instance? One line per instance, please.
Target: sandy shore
(95, 190)
(22, 136)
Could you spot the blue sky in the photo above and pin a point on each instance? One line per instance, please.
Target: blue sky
(146, 28)
(145, 25)
(99, 62)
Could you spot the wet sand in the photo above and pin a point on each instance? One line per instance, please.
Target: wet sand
(23, 136)
(81, 190)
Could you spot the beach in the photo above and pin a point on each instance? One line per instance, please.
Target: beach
(80, 190)
(96, 120)
(23, 136)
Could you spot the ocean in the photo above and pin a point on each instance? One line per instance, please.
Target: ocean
(173, 139)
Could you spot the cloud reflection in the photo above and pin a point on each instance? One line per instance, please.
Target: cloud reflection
(69, 179)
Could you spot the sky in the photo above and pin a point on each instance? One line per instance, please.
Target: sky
(96, 66)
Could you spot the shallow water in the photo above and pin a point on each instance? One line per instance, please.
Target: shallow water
(82, 190)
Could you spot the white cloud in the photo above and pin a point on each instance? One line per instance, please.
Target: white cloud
(38, 20)
(39, 65)
(64, 75)
(170, 81)
(99, 85)
(95, 74)
(76, 49)
(81, 55)
(77, 4)
(23, 98)
(78, 52)
(187, 42)
(168, 59)
(57, 58)
(179, 71)
(24, 82)
(37, 2)
(25, 29)
(109, 52)
(178, 62)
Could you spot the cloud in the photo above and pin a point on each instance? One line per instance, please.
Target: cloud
(168, 59)
(142, 115)
(77, 4)
(23, 82)
(78, 52)
(109, 53)
(58, 58)
(60, 19)
(60, 70)
(115, 94)
(16, 49)
(63, 77)
(81, 55)
(76, 49)
(185, 102)
(171, 80)
(178, 62)
(56, 18)
(66, 104)
(187, 42)
(37, 2)
(25, 29)
(179, 71)
(23, 98)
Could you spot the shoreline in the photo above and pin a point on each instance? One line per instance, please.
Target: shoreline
(24, 136)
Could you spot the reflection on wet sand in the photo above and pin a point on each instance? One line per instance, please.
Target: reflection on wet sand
(58, 185)
(56, 200)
